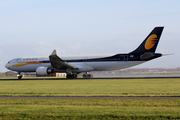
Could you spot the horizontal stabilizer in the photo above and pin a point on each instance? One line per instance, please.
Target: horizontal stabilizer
(167, 54)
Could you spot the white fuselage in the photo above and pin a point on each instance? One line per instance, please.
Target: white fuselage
(30, 64)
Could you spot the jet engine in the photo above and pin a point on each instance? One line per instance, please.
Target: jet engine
(43, 71)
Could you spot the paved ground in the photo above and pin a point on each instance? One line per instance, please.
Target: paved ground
(24, 97)
(56, 78)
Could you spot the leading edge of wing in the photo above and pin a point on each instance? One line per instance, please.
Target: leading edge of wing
(58, 63)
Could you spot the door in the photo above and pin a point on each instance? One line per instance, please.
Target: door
(125, 57)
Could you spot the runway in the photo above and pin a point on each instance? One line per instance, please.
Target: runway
(77, 97)
(56, 78)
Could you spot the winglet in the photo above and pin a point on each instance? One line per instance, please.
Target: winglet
(54, 52)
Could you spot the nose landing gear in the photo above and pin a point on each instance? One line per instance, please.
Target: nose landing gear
(19, 75)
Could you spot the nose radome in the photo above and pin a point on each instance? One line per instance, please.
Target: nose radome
(7, 66)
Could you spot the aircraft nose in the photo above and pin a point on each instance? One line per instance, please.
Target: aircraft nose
(7, 66)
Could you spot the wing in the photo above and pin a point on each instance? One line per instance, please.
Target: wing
(58, 63)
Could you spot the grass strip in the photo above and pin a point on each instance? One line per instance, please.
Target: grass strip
(99, 87)
(89, 109)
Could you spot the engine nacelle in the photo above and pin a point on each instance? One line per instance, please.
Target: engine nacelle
(43, 71)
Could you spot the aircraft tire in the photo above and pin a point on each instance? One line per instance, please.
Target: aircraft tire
(87, 75)
(71, 76)
(20, 77)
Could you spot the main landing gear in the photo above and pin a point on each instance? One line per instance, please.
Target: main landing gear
(71, 76)
(19, 75)
(87, 75)
(74, 75)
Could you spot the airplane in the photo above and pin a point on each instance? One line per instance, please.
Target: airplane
(73, 65)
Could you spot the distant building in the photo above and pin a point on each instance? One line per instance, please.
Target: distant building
(10, 73)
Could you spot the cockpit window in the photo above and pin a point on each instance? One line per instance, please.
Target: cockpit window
(9, 62)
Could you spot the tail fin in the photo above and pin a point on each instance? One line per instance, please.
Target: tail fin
(151, 41)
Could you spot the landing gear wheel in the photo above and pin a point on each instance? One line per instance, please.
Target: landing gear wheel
(87, 75)
(19, 77)
(74, 76)
(71, 76)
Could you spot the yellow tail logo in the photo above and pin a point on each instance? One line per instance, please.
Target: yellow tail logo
(151, 41)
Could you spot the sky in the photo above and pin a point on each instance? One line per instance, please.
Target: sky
(84, 27)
